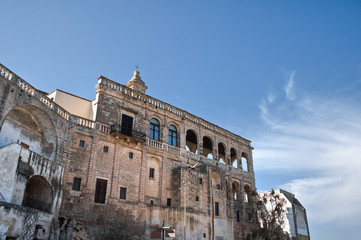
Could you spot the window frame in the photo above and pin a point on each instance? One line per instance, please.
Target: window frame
(100, 195)
(123, 193)
(151, 173)
(105, 149)
(216, 208)
(172, 136)
(154, 129)
(76, 184)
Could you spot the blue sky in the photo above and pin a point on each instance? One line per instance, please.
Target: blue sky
(284, 74)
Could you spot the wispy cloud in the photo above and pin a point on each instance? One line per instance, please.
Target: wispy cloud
(289, 88)
(319, 137)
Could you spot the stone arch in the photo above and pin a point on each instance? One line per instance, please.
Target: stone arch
(215, 180)
(191, 141)
(38, 194)
(235, 190)
(32, 126)
(247, 193)
(221, 153)
(234, 160)
(245, 163)
(207, 147)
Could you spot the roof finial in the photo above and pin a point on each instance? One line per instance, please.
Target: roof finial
(136, 67)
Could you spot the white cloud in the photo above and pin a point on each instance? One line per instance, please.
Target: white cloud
(318, 137)
(289, 88)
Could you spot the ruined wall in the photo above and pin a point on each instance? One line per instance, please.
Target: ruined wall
(32, 138)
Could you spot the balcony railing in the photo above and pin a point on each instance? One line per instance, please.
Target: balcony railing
(121, 130)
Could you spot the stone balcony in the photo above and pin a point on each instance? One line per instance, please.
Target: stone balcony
(118, 130)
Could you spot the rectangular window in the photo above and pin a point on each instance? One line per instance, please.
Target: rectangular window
(197, 198)
(123, 193)
(130, 155)
(238, 217)
(100, 190)
(151, 173)
(105, 149)
(81, 143)
(127, 125)
(169, 202)
(200, 181)
(76, 184)
(216, 209)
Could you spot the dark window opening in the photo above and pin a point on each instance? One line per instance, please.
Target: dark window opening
(130, 155)
(207, 147)
(105, 149)
(169, 202)
(204, 235)
(81, 143)
(123, 193)
(151, 173)
(172, 136)
(100, 190)
(76, 184)
(216, 208)
(197, 198)
(200, 181)
(151, 202)
(238, 217)
(127, 125)
(221, 153)
(191, 141)
(154, 129)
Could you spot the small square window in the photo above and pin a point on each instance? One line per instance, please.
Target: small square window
(81, 143)
(151, 202)
(197, 198)
(169, 202)
(123, 193)
(130, 155)
(200, 180)
(151, 173)
(105, 149)
(76, 184)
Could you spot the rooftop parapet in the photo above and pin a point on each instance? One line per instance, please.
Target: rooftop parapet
(126, 91)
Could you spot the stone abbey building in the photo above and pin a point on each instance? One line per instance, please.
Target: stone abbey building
(123, 166)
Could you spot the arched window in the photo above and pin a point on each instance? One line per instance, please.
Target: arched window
(244, 162)
(172, 136)
(154, 129)
(235, 190)
(215, 180)
(207, 148)
(221, 153)
(191, 141)
(247, 193)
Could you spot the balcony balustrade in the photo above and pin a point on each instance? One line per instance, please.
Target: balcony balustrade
(123, 131)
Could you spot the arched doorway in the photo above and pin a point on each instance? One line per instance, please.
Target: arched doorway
(38, 194)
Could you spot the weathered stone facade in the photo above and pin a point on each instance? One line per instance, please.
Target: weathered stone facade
(128, 164)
